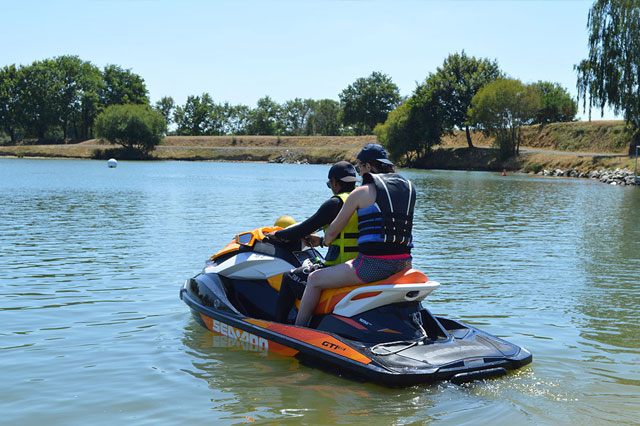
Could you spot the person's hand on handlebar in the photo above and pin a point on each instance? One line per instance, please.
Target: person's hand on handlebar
(271, 237)
(312, 240)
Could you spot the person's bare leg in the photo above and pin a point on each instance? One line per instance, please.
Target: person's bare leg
(341, 275)
(308, 303)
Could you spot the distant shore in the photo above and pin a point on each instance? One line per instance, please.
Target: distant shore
(580, 146)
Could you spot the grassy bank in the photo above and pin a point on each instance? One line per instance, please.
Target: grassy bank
(310, 149)
(583, 146)
(486, 159)
(605, 137)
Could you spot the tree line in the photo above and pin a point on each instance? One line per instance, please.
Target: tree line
(60, 98)
(362, 105)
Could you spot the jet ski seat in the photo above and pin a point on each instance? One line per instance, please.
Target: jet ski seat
(405, 286)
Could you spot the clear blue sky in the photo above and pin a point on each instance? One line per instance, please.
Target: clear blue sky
(239, 51)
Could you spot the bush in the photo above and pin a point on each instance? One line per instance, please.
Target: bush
(135, 127)
(533, 168)
(120, 154)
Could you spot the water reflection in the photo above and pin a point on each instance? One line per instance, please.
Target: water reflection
(280, 388)
(611, 247)
(607, 314)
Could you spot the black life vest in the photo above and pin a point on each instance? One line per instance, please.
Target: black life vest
(390, 219)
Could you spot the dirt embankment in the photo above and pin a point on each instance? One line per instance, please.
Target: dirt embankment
(583, 146)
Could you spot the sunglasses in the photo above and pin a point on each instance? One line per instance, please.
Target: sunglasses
(329, 184)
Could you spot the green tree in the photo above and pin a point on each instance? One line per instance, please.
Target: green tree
(324, 118)
(412, 129)
(122, 86)
(457, 81)
(368, 101)
(41, 97)
(59, 94)
(610, 74)
(79, 84)
(90, 83)
(428, 116)
(165, 107)
(396, 133)
(199, 116)
(135, 127)
(557, 104)
(294, 115)
(69, 69)
(11, 119)
(202, 116)
(501, 108)
(235, 119)
(263, 120)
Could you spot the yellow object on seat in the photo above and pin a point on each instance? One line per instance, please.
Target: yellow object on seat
(331, 296)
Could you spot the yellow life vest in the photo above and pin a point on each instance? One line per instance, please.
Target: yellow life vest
(347, 241)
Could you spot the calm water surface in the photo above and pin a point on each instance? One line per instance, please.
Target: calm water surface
(93, 331)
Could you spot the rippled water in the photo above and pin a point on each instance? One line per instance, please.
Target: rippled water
(93, 331)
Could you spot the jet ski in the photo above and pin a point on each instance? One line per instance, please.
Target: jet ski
(378, 332)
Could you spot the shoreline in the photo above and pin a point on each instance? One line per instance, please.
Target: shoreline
(609, 173)
(574, 149)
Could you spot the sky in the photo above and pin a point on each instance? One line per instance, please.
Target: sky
(239, 51)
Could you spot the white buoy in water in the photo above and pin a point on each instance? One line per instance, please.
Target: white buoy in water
(112, 163)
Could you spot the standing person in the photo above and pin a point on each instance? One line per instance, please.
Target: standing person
(343, 247)
(384, 206)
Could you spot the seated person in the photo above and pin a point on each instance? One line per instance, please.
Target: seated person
(384, 205)
(342, 180)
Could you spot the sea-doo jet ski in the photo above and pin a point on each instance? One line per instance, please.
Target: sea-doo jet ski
(377, 332)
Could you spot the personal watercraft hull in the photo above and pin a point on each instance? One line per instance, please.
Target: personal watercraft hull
(453, 351)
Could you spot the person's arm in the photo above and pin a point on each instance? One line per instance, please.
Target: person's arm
(359, 197)
(325, 214)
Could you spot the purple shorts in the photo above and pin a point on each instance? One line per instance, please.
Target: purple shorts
(376, 268)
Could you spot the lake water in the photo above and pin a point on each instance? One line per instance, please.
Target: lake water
(93, 331)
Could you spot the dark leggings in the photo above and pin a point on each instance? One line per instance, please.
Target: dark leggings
(292, 288)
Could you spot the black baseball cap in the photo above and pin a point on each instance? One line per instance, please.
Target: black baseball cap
(374, 151)
(343, 171)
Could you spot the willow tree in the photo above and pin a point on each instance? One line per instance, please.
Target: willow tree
(611, 73)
